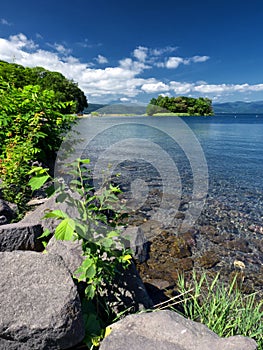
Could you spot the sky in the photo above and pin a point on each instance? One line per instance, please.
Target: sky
(131, 51)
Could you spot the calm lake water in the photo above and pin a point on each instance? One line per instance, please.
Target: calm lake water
(151, 148)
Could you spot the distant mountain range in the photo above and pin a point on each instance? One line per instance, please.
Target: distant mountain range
(116, 109)
(238, 107)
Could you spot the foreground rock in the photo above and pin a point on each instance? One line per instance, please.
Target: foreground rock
(20, 237)
(167, 330)
(40, 306)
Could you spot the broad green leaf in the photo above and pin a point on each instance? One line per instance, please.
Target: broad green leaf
(107, 242)
(91, 272)
(87, 263)
(75, 182)
(79, 274)
(126, 257)
(107, 331)
(84, 161)
(113, 234)
(65, 230)
(38, 170)
(58, 214)
(46, 233)
(37, 182)
(90, 291)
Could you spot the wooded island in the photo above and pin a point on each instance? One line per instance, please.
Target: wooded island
(181, 105)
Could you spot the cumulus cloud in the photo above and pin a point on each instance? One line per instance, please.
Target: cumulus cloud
(154, 86)
(20, 41)
(140, 53)
(173, 62)
(101, 59)
(123, 81)
(62, 49)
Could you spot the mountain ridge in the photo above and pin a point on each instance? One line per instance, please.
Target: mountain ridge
(236, 107)
(239, 107)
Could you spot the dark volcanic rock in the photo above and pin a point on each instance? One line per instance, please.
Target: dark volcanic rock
(69, 251)
(6, 213)
(40, 306)
(20, 237)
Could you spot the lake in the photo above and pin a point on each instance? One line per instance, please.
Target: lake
(194, 178)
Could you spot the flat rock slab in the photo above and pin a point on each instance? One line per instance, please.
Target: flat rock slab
(20, 236)
(39, 303)
(167, 330)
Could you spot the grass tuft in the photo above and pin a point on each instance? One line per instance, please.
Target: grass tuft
(222, 308)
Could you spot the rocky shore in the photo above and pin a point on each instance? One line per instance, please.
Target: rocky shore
(41, 305)
(222, 240)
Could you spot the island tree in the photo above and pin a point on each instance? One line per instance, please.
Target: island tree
(181, 105)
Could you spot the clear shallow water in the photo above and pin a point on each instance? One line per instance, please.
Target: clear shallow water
(232, 147)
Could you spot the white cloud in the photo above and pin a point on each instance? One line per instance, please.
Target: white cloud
(123, 81)
(154, 86)
(39, 36)
(173, 62)
(5, 22)
(140, 53)
(61, 49)
(21, 41)
(164, 50)
(101, 59)
(197, 59)
(124, 99)
(181, 88)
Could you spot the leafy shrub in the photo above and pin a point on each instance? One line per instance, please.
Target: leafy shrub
(31, 128)
(101, 244)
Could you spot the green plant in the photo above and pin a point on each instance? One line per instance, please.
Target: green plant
(31, 128)
(223, 308)
(94, 222)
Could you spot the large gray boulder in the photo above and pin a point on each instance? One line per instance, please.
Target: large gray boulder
(39, 303)
(20, 236)
(167, 330)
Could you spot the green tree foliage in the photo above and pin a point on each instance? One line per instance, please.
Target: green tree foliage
(64, 89)
(182, 104)
(31, 129)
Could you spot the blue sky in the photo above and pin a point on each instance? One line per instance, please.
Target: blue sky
(131, 51)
